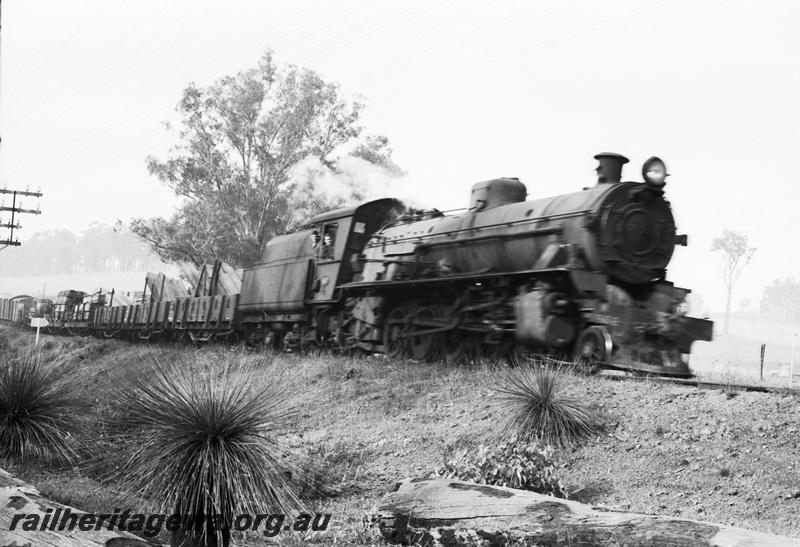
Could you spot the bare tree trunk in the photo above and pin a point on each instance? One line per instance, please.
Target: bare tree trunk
(444, 513)
(727, 311)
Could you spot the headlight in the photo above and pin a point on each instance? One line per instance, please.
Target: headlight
(654, 172)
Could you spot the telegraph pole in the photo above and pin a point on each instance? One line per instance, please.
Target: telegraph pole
(14, 224)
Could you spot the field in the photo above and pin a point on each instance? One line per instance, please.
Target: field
(718, 456)
(739, 354)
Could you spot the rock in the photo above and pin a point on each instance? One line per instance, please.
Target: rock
(17, 497)
(447, 513)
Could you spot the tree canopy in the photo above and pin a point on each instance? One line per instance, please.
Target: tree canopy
(736, 254)
(240, 142)
(781, 301)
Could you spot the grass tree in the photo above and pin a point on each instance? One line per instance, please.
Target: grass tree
(206, 442)
(539, 407)
(40, 413)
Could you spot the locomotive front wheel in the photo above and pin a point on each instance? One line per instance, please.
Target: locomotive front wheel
(453, 350)
(462, 347)
(424, 347)
(395, 343)
(593, 347)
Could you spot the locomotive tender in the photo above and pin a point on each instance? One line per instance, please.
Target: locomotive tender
(580, 275)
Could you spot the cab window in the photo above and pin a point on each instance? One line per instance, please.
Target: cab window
(328, 241)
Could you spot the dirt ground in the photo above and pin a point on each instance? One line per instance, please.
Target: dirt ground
(719, 456)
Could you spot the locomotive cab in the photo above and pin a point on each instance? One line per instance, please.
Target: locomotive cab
(338, 255)
(305, 268)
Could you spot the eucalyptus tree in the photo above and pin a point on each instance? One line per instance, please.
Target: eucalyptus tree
(238, 143)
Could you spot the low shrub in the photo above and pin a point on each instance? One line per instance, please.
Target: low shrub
(524, 466)
(540, 408)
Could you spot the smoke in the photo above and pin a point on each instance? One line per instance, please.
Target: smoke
(354, 180)
(317, 188)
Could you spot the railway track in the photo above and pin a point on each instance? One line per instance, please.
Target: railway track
(617, 375)
(703, 384)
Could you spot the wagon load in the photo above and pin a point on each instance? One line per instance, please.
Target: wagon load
(163, 288)
(215, 279)
(120, 299)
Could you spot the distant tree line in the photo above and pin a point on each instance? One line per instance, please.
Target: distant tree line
(100, 248)
(781, 301)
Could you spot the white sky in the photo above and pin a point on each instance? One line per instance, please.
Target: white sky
(465, 90)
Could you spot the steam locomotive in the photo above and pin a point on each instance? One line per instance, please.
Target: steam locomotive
(580, 275)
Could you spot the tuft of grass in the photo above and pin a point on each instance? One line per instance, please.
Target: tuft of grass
(730, 393)
(40, 413)
(343, 466)
(540, 409)
(207, 440)
(13, 340)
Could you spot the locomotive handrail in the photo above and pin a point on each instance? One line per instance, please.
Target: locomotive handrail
(537, 232)
(499, 224)
(409, 218)
(468, 276)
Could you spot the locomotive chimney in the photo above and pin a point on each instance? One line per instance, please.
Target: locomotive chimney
(610, 168)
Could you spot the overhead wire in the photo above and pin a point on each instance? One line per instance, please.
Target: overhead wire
(181, 78)
(32, 124)
(46, 43)
(444, 42)
(370, 30)
(89, 83)
(109, 122)
(515, 51)
(399, 94)
(411, 89)
(105, 52)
